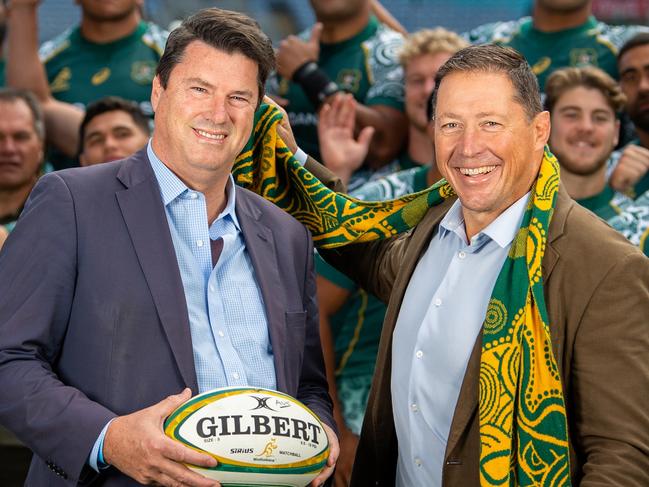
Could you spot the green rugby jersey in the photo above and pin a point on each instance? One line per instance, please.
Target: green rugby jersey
(356, 326)
(633, 222)
(3, 80)
(367, 65)
(80, 71)
(606, 204)
(593, 43)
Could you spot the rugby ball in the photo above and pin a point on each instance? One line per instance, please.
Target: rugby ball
(258, 436)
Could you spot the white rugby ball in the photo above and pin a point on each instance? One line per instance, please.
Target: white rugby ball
(258, 436)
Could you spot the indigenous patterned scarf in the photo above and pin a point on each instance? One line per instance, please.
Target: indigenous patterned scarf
(523, 428)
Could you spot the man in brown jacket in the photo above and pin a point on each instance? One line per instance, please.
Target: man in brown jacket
(422, 425)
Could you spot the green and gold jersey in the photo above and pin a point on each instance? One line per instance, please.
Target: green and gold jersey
(606, 204)
(3, 80)
(356, 326)
(594, 44)
(367, 65)
(80, 71)
(633, 222)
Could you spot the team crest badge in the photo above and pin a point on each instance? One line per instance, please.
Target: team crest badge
(349, 79)
(143, 72)
(583, 57)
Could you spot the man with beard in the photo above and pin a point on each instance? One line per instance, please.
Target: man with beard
(348, 50)
(112, 52)
(560, 33)
(633, 62)
(584, 104)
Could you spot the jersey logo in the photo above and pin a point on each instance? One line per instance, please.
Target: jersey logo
(583, 57)
(61, 81)
(349, 79)
(143, 72)
(541, 65)
(100, 76)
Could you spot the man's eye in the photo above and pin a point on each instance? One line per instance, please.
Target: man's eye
(199, 89)
(450, 125)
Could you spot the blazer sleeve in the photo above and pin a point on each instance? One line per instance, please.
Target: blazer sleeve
(313, 389)
(38, 267)
(611, 378)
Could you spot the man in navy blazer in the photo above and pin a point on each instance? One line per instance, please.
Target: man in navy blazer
(103, 320)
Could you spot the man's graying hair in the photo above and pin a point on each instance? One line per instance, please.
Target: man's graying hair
(490, 58)
(227, 31)
(13, 95)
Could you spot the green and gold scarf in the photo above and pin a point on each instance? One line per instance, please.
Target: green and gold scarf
(523, 428)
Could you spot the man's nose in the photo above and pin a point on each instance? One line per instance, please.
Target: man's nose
(470, 143)
(218, 112)
(8, 145)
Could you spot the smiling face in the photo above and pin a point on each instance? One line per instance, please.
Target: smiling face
(584, 130)
(485, 144)
(21, 149)
(204, 117)
(110, 136)
(419, 83)
(108, 10)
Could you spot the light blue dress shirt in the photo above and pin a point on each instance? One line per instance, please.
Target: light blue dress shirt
(441, 315)
(227, 319)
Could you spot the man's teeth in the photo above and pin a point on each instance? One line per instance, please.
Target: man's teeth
(473, 171)
(211, 136)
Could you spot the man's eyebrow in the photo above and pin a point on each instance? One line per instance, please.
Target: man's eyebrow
(569, 107)
(242, 92)
(198, 81)
(630, 69)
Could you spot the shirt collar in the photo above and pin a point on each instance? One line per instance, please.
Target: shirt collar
(502, 230)
(171, 187)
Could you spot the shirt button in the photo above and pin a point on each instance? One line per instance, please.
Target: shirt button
(235, 375)
(414, 408)
(418, 462)
(438, 302)
(419, 354)
(199, 243)
(461, 254)
(221, 334)
(212, 288)
(193, 196)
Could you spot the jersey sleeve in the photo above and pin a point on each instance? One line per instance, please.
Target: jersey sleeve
(384, 69)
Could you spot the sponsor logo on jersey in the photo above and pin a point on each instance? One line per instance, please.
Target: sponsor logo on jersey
(100, 76)
(61, 81)
(541, 65)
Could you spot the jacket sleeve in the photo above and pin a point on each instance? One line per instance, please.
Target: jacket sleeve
(313, 389)
(611, 378)
(38, 266)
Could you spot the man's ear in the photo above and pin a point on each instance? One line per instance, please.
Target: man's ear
(156, 91)
(541, 124)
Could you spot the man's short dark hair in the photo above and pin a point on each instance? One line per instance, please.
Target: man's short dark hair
(113, 104)
(12, 95)
(637, 40)
(490, 58)
(227, 31)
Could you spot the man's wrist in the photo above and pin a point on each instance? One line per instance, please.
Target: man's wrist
(315, 82)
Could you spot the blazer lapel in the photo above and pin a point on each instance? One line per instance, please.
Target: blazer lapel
(260, 244)
(147, 224)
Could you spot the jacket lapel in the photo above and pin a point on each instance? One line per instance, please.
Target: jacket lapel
(145, 218)
(260, 245)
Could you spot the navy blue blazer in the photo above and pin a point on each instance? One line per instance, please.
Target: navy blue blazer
(93, 319)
